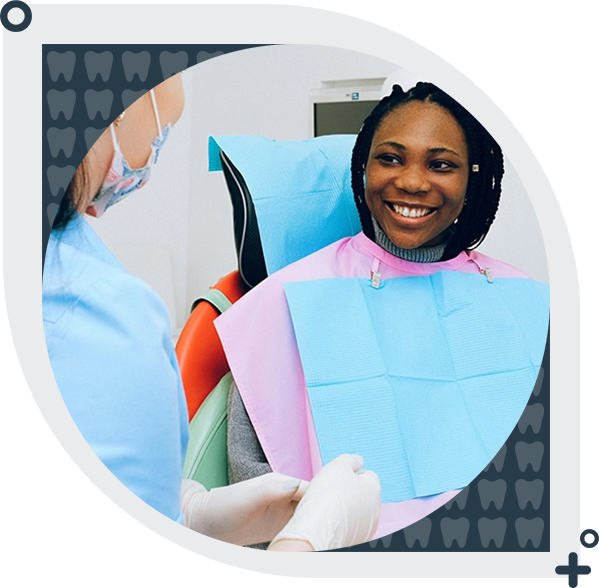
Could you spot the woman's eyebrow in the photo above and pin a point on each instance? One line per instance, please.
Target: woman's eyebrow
(443, 150)
(433, 150)
(392, 144)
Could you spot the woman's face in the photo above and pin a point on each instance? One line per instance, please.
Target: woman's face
(417, 174)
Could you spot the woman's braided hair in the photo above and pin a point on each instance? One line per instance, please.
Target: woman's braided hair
(484, 186)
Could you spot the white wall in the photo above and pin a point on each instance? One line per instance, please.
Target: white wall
(177, 233)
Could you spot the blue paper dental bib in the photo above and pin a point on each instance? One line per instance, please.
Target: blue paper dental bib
(425, 377)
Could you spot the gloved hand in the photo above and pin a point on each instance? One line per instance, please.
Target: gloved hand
(340, 507)
(249, 512)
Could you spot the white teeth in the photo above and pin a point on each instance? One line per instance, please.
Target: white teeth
(410, 212)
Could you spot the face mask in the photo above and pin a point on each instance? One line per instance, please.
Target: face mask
(121, 179)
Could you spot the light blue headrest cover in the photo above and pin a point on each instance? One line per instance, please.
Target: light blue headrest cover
(301, 191)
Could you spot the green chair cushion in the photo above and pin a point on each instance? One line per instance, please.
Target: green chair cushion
(206, 460)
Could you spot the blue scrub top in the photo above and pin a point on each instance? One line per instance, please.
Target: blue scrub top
(109, 342)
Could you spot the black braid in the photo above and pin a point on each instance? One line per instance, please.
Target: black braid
(484, 187)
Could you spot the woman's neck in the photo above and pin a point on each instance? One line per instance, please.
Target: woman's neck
(418, 255)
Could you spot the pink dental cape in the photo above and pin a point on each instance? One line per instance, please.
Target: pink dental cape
(258, 338)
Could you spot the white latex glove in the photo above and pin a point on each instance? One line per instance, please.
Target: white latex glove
(339, 509)
(252, 511)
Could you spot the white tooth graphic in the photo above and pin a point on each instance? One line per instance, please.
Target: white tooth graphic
(529, 453)
(498, 460)
(460, 499)
(529, 530)
(136, 63)
(59, 177)
(92, 135)
(419, 531)
(492, 530)
(172, 63)
(61, 102)
(205, 55)
(492, 492)
(61, 63)
(130, 96)
(529, 492)
(386, 540)
(61, 139)
(533, 417)
(537, 389)
(98, 63)
(51, 211)
(98, 102)
(455, 530)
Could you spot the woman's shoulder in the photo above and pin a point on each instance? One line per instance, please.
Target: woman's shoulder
(80, 271)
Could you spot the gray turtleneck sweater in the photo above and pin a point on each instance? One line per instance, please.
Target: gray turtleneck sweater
(419, 255)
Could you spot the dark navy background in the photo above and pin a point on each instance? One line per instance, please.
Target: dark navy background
(524, 70)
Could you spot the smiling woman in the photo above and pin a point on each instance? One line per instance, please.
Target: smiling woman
(402, 343)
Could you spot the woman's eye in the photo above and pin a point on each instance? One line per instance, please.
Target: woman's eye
(388, 158)
(442, 165)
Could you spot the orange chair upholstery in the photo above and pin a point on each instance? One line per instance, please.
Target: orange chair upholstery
(199, 351)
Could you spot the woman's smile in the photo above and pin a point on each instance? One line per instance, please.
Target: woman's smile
(405, 211)
(417, 174)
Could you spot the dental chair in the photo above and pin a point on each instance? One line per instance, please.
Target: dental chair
(206, 381)
(289, 198)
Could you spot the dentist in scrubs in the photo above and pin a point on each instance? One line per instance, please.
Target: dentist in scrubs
(108, 339)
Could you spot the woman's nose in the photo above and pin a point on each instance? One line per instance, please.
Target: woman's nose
(412, 179)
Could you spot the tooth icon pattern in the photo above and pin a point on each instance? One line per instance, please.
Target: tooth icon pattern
(171, 63)
(98, 64)
(455, 530)
(492, 493)
(59, 178)
(136, 64)
(61, 103)
(529, 454)
(460, 500)
(529, 492)
(532, 417)
(61, 64)
(98, 102)
(205, 55)
(386, 541)
(498, 461)
(61, 140)
(418, 532)
(492, 530)
(530, 530)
